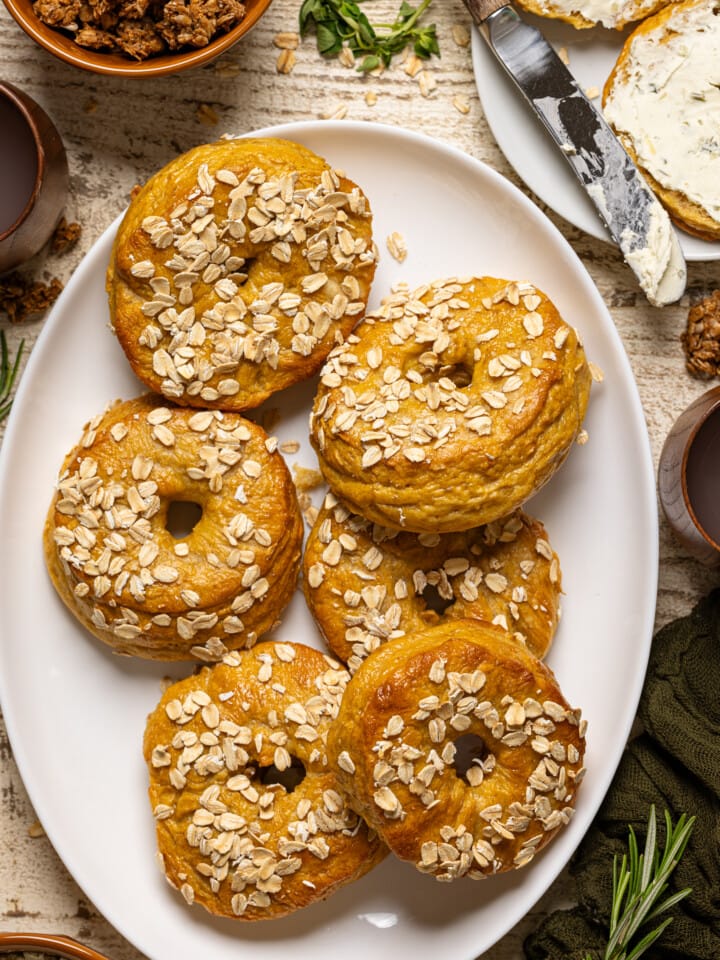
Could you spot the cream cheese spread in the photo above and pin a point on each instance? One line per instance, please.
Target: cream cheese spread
(668, 104)
(658, 262)
(608, 13)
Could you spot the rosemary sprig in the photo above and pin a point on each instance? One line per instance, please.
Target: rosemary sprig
(339, 22)
(8, 373)
(639, 882)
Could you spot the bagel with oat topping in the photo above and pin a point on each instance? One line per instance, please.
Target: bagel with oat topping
(366, 584)
(135, 584)
(457, 746)
(450, 406)
(582, 14)
(250, 820)
(235, 270)
(663, 102)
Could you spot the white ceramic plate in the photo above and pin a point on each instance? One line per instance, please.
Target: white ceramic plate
(529, 147)
(75, 712)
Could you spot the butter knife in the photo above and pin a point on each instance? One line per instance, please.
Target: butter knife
(635, 219)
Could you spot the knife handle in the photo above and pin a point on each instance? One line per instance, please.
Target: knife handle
(480, 10)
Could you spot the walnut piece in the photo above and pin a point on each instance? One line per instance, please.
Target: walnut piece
(701, 340)
(65, 237)
(22, 297)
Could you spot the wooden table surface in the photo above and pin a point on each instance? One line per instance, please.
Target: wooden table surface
(118, 131)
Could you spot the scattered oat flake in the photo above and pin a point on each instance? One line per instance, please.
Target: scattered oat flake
(339, 113)
(346, 57)
(564, 55)
(287, 40)
(460, 34)
(290, 446)
(371, 98)
(90, 106)
(396, 246)
(285, 61)
(592, 92)
(596, 372)
(35, 830)
(227, 68)
(582, 438)
(206, 115)
(426, 82)
(306, 479)
(461, 103)
(413, 65)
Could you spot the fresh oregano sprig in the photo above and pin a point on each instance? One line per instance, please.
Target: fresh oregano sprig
(8, 373)
(341, 22)
(639, 883)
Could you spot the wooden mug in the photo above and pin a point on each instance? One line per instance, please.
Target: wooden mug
(35, 174)
(689, 478)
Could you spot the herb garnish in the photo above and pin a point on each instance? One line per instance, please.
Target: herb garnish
(8, 373)
(639, 882)
(339, 22)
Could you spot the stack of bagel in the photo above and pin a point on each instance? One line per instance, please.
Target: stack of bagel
(431, 728)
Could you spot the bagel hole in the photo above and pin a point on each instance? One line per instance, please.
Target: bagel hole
(182, 518)
(460, 373)
(240, 276)
(435, 604)
(471, 752)
(289, 778)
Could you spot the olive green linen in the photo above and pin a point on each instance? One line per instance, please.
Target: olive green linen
(675, 764)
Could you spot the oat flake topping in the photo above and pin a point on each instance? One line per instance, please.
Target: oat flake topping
(248, 272)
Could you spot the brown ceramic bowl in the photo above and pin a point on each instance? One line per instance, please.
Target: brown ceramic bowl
(50, 944)
(38, 147)
(689, 478)
(61, 45)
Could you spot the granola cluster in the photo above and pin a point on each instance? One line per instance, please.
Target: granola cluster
(141, 28)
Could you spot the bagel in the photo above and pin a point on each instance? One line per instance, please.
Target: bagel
(233, 834)
(127, 577)
(449, 406)
(582, 14)
(663, 102)
(365, 584)
(235, 270)
(412, 713)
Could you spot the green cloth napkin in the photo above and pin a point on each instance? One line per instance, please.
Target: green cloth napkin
(675, 764)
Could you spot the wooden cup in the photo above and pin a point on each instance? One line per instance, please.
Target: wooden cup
(676, 496)
(37, 221)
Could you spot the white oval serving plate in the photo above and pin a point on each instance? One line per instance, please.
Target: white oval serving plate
(75, 712)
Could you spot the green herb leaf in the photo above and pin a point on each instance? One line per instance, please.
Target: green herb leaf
(371, 62)
(639, 883)
(8, 372)
(339, 22)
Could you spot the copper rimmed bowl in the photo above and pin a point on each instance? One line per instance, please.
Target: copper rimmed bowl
(49, 944)
(61, 44)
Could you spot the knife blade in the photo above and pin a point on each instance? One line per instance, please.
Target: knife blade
(632, 214)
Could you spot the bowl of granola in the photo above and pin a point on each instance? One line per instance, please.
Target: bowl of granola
(44, 946)
(136, 38)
